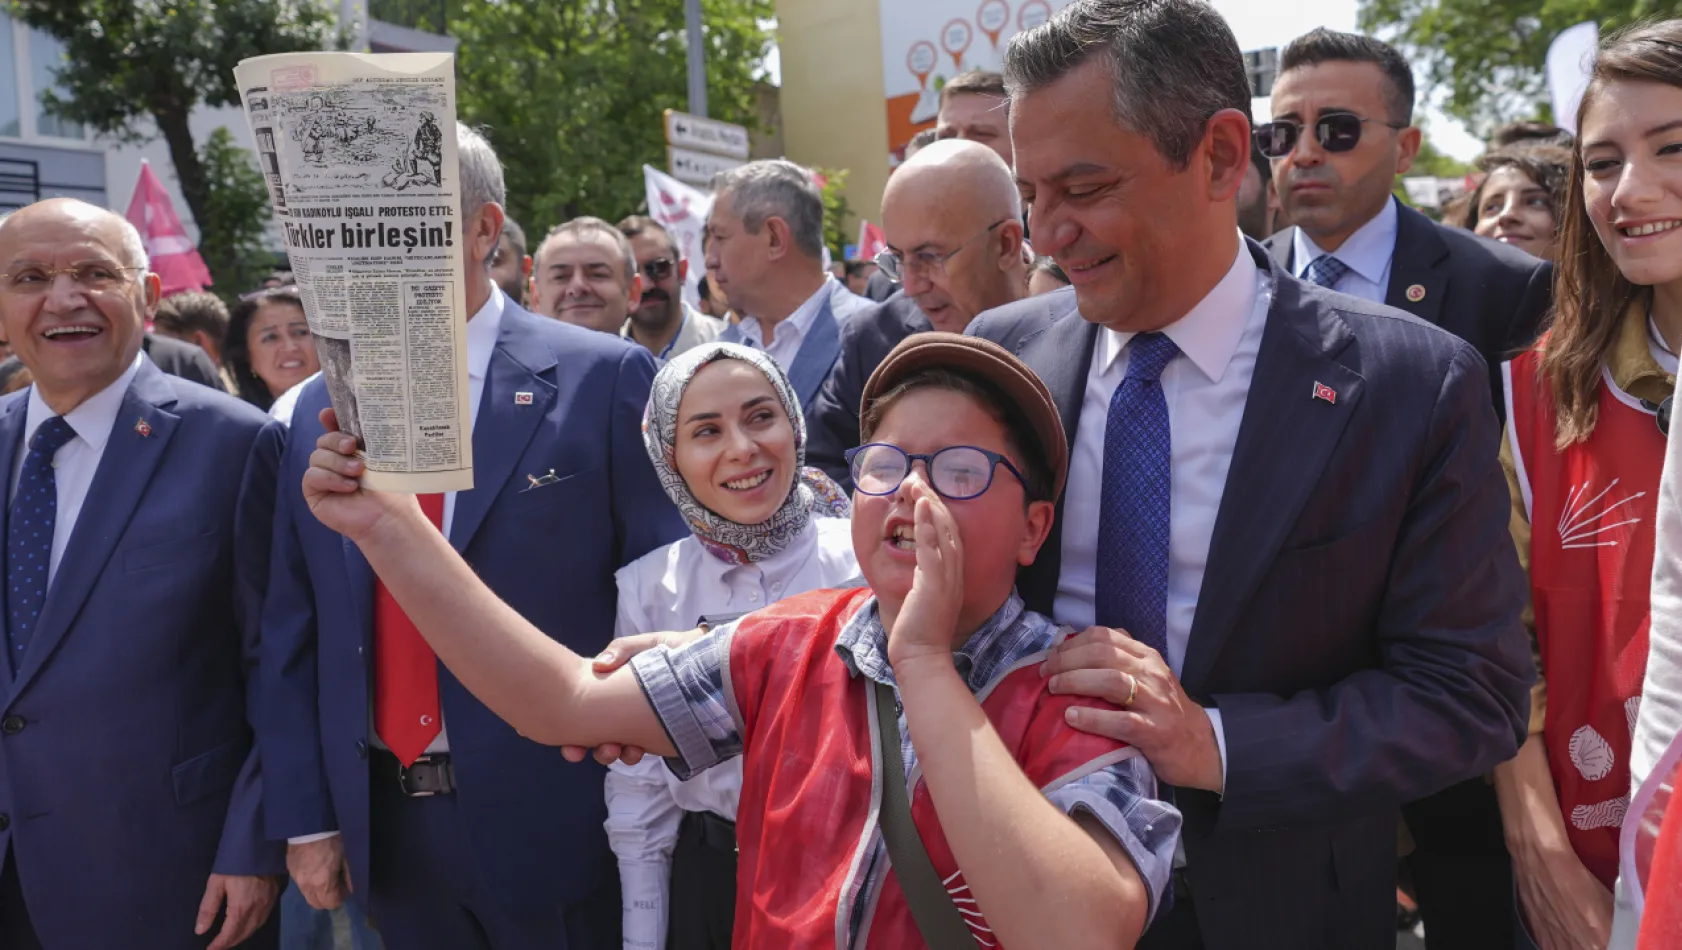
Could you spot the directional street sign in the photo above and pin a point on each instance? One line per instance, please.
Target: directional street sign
(697, 168)
(706, 135)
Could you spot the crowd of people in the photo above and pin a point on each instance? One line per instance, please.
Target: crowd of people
(1170, 540)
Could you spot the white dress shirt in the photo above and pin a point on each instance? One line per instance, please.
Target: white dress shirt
(786, 338)
(1367, 253)
(286, 403)
(77, 460)
(674, 588)
(482, 331)
(1206, 386)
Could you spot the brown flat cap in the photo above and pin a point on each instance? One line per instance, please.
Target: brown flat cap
(989, 361)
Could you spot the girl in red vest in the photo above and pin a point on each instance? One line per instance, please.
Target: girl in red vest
(1585, 446)
(1040, 836)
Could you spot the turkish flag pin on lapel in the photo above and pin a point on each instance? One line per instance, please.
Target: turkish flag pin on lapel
(1322, 391)
(522, 399)
(143, 428)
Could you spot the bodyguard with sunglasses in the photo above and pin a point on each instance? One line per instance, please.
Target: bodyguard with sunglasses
(1341, 133)
(663, 323)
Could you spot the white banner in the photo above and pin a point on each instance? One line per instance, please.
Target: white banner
(1570, 58)
(682, 211)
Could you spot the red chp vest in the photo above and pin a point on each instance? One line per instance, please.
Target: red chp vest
(809, 814)
(1591, 565)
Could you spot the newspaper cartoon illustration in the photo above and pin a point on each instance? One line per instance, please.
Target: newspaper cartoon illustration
(359, 152)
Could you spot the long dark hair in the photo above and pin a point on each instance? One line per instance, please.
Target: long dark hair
(236, 349)
(1549, 166)
(1591, 294)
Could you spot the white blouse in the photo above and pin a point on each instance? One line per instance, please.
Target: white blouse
(675, 588)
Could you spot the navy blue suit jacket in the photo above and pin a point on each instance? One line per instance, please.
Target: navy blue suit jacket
(128, 770)
(1492, 295)
(534, 820)
(1358, 625)
(832, 420)
(821, 345)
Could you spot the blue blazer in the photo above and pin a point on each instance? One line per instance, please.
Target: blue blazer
(832, 419)
(534, 820)
(1358, 625)
(127, 768)
(821, 345)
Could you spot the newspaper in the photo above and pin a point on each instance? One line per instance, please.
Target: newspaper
(359, 150)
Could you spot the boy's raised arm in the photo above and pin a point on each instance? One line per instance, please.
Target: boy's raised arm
(537, 685)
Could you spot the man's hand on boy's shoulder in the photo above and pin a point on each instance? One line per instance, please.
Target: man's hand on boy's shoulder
(617, 654)
(1174, 733)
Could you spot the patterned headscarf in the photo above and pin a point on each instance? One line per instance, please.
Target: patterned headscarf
(813, 492)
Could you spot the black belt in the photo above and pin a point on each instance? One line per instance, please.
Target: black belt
(427, 776)
(709, 830)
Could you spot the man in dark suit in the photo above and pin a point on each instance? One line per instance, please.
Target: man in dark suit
(137, 531)
(765, 252)
(1341, 132)
(953, 221)
(466, 835)
(1284, 509)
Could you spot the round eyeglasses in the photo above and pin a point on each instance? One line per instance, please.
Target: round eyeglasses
(957, 472)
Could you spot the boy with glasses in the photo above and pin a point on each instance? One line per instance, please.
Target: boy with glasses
(926, 684)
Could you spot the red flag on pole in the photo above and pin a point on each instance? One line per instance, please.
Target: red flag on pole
(871, 241)
(174, 258)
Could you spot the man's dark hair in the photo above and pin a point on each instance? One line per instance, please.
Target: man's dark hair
(1026, 449)
(975, 82)
(637, 225)
(1530, 133)
(185, 313)
(857, 268)
(921, 141)
(515, 234)
(1175, 63)
(1329, 46)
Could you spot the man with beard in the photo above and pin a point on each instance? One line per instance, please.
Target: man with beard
(511, 265)
(664, 324)
(586, 275)
(953, 220)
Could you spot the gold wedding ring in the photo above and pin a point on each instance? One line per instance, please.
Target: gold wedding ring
(1132, 690)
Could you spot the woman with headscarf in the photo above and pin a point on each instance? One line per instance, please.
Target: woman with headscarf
(725, 433)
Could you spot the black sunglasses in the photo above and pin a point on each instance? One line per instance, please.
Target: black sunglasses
(1335, 131)
(658, 269)
(1661, 413)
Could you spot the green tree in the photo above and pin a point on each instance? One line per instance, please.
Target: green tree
(136, 69)
(236, 217)
(1488, 55)
(836, 210)
(573, 91)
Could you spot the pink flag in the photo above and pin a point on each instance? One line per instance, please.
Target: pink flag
(871, 241)
(174, 258)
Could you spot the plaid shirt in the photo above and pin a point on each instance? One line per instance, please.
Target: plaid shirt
(686, 688)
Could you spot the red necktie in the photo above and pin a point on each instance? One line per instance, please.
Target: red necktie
(405, 669)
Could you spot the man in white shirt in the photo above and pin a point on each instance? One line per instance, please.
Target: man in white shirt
(136, 530)
(765, 252)
(1283, 508)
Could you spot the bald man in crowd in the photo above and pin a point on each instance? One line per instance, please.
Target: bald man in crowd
(953, 220)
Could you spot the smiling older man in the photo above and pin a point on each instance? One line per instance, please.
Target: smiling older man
(137, 530)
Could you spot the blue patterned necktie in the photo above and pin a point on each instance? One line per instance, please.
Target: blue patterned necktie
(29, 535)
(1132, 579)
(1326, 271)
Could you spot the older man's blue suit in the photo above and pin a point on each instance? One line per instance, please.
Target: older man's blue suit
(532, 821)
(128, 773)
(1358, 624)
